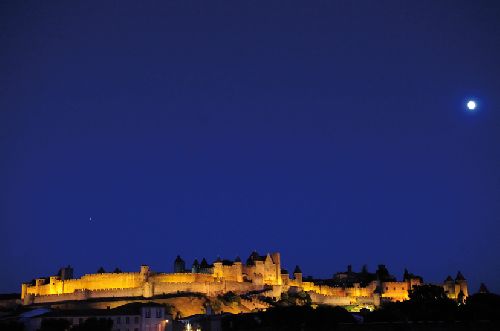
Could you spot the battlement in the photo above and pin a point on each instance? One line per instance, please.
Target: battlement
(259, 273)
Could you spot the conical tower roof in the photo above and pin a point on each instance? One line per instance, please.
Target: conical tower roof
(483, 289)
(204, 263)
(459, 276)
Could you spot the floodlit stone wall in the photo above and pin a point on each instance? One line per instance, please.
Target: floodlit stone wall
(263, 276)
(397, 291)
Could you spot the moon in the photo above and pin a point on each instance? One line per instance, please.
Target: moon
(471, 105)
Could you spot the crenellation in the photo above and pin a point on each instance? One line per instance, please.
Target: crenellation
(260, 273)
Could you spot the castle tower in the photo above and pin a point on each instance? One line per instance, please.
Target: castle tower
(461, 285)
(55, 285)
(145, 272)
(239, 269)
(483, 289)
(285, 277)
(277, 261)
(205, 268)
(24, 290)
(449, 287)
(297, 273)
(179, 265)
(196, 267)
(65, 273)
(411, 279)
(218, 272)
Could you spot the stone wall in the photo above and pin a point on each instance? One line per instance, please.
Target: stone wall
(397, 291)
(91, 282)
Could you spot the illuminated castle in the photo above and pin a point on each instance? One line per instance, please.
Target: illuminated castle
(261, 273)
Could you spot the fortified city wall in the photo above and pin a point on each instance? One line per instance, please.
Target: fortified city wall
(259, 274)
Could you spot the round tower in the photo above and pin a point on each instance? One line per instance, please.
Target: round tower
(179, 265)
(196, 267)
(461, 283)
(449, 287)
(297, 273)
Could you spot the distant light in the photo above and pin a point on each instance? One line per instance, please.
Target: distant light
(471, 105)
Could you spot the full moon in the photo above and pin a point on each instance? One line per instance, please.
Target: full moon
(471, 105)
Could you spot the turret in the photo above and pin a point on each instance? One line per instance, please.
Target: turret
(277, 262)
(461, 283)
(449, 287)
(179, 265)
(205, 268)
(145, 272)
(53, 279)
(383, 274)
(411, 279)
(297, 274)
(196, 267)
(285, 277)
(239, 269)
(218, 272)
(406, 275)
(24, 290)
(65, 273)
(483, 289)
(55, 286)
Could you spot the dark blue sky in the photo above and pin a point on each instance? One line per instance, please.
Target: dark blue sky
(334, 132)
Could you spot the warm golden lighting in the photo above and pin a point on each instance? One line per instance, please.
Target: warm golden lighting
(263, 274)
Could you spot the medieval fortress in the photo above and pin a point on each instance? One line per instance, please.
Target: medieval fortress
(259, 274)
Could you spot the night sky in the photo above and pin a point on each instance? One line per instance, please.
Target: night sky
(334, 132)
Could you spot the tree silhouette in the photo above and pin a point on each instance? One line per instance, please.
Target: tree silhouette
(428, 294)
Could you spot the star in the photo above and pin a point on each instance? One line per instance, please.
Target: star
(471, 105)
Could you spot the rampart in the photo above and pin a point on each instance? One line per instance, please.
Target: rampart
(261, 274)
